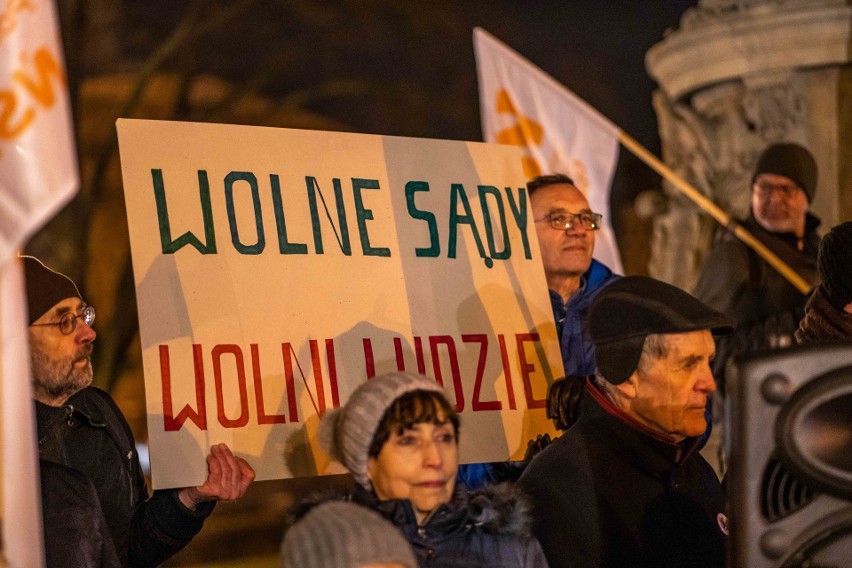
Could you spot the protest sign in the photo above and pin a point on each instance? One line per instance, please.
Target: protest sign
(276, 270)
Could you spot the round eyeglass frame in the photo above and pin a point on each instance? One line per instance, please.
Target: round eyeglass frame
(68, 322)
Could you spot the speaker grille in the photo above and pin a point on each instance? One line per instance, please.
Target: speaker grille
(783, 494)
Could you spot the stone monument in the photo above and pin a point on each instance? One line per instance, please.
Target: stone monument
(735, 77)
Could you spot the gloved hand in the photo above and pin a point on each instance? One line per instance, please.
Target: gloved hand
(534, 447)
(563, 400)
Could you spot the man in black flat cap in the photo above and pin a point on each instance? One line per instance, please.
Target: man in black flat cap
(625, 486)
(736, 281)
(80, 427)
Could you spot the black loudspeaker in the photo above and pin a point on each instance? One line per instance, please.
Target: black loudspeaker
(788, 438)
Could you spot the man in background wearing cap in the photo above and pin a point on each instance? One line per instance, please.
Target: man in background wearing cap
(625, 485)
(737, 281)
(80, 426)
(828, 314)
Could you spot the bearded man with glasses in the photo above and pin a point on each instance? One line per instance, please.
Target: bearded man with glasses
(80, 427)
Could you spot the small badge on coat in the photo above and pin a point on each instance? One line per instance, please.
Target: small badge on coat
(723, 523)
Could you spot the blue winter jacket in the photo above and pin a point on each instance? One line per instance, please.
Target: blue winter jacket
(578, 359)
(578, 351)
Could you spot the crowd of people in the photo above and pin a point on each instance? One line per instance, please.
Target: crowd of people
(625, 485)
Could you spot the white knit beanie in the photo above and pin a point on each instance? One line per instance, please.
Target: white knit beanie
(346, 433)
(341, 534)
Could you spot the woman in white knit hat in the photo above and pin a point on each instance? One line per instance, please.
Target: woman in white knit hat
(398, 436)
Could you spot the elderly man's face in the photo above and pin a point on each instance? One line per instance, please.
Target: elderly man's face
(779, 205)
(61, 364)
(671, 393)
(564, 253)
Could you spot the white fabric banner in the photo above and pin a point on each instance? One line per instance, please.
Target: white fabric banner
(277, 269)
(558, 131)
(38, 175)
(38, 161)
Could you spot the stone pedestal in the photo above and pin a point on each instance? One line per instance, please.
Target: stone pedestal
(735, 77)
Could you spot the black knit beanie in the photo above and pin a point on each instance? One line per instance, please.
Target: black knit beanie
(792, 161)
(834, 263)
(45, 287)
(627, 311)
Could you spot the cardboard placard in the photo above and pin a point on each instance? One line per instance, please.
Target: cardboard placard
(278, 269)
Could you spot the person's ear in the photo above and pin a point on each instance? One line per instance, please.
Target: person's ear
(629, 388)
(371, 468)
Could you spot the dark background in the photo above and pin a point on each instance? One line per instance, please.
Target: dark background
(388, 67)
(373, 66)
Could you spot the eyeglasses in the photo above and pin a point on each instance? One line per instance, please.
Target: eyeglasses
(764, 189)
(68, 322)
(565, 221)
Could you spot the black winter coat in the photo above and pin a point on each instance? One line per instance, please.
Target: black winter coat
(765, 306)
(606, 494)
(76, 533)
(90, 434)
(486, 528)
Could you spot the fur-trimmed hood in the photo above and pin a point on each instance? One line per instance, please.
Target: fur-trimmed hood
(487, 527)
(501, 509)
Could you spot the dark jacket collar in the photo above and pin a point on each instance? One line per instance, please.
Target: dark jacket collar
(497, 509)
(76, 408)
(810, 238)
(651, 449)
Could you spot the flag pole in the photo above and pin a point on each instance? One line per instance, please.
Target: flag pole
(714, 211)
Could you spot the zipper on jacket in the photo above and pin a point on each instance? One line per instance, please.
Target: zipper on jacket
(421, 527)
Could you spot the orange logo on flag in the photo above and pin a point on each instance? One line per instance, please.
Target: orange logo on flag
(525, 133)
(38, 83)
(9, 18)
(528, 133)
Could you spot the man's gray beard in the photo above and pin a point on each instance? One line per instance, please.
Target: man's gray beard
(58, 379)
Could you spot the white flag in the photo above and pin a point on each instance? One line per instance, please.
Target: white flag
(38, 175)
(38, 163)
(524, 106)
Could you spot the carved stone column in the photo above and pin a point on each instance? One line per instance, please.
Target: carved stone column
(735, 77)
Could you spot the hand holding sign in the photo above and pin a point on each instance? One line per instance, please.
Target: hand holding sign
(228, 479)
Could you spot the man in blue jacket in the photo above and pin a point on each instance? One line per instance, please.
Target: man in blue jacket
(565, 226)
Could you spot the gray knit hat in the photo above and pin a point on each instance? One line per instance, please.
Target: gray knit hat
(341, 534)
(346, 433)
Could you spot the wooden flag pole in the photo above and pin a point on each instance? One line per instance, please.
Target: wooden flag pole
(714, 211)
